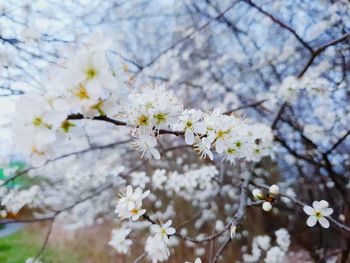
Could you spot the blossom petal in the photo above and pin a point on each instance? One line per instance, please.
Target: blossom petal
(317, 206)
(200, 128)
(145, 194)
(167, 224)
(219, 146)
(327, 211)
(129, 190)
(324, 204)
(311, 221)
(323, 222)
(170, 231)
(189, 137)
(155, 153)
(309, 210)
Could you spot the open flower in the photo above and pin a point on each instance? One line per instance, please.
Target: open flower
(146, 143)
(157, 250)
(318, 213)
(130, 204)
(119, 240)
(191, 124)
(163, 231)
(203, 148)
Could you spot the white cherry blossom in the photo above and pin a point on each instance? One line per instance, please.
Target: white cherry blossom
(318, 213)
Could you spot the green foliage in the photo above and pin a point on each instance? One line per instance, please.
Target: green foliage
(19, 246)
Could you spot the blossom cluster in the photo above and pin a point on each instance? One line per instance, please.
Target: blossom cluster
(263, 247)
(268, 198)
(13, 200)
(87, 86)
(129, 206)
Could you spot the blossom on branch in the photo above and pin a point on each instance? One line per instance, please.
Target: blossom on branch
(318, 213)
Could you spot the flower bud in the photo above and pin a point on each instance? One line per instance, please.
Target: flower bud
(266, 206)
(274, 189)
(258, 194)
(233, 231)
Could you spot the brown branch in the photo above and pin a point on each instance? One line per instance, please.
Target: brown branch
(251, 105)
(338, 142)
(93, 148)
(294, 152)
(236, 220)
(319, 50)
(119, 123)
(188, 36)
(221, 249)
(281, 24)
(302, 204)
(278, 115)
(46, 241)
(238, 216)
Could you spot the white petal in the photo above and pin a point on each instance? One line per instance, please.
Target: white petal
(145, 194)
(219, 146)
(311, 221)
(167, 224)
(326, 211)
(130, 205)
(155, 228)
(189, 137)
(155, 153)
(38, 160)
(170, 231)
(323, 222)
(210, 155)
(129, 190)
(197, 114)
(45, 136)
(200, 127)
(152, 141)
(316, 205)
(309, 210)
(324, 203)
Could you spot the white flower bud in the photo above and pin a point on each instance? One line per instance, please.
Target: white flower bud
(258, 194)
(274, 189)
(233, 231)
(219, 225)
(266, 206)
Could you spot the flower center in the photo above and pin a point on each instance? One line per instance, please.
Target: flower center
(98, 107)
(188, 124)
(66, 125)
(149, 105)
(160, 117)
(36, 151)
(143, 120)
(134, 211)
(37, 121)
(163, 232)
(220, 134)
(82, 93)
(318, 214)
(91, 73)
(231, 151)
